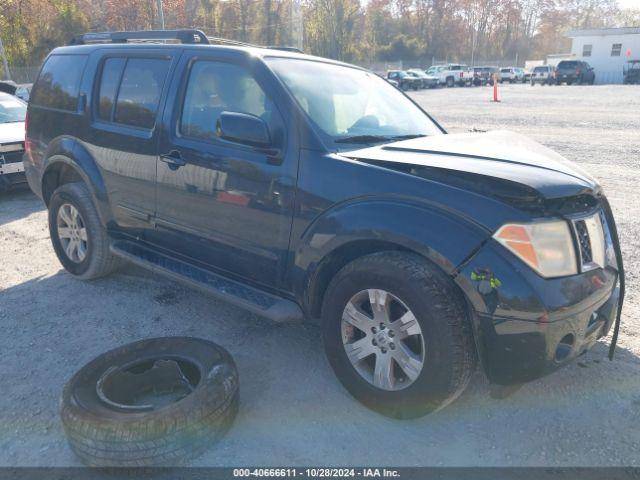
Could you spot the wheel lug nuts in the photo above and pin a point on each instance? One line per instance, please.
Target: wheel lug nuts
(392, 346)
(374, 329)
(382, 326)
(391, 334)
(384, 350)
(374, 343)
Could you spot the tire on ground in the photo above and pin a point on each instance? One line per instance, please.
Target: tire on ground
(170, 436)
(99, 261)
(441, 311)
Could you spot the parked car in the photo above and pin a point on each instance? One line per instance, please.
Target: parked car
(574, 71)
(450, 75)
(631, 72)
(527, 75)
(23, 91)
(544, 75)
(511, 75)
(485, 75)
(8, 86)
(299, 187)
(426, 81)
(12, 114)
(405, 81)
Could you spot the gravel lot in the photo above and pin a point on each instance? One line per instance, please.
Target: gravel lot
(293, 411)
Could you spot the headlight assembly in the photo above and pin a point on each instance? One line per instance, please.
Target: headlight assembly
(545, 246)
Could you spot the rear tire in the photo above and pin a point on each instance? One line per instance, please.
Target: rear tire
(92, 258)
(450, 82)
(446, 352)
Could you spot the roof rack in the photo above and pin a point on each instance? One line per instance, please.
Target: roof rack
(184, 36)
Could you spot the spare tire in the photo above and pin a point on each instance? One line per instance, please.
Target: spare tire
(156, 402)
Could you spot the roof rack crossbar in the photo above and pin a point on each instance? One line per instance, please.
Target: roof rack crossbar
(185, 36)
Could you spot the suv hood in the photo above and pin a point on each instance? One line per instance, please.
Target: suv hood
(499, 163)
(11, 132)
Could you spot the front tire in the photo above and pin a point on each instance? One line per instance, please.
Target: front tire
(397, 335)
(80, 241)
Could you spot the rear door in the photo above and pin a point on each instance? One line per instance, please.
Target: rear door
(229, 205)
(129, 88)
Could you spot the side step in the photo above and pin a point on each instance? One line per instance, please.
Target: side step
(261, 303)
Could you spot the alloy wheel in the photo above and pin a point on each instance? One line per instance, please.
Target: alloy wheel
(382, 339)
(72, 232)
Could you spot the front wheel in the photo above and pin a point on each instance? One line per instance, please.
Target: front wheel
(78, 237)
(397, 335)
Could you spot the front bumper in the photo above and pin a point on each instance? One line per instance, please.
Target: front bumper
(526, 326)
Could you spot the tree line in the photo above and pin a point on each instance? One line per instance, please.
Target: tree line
(359, 31)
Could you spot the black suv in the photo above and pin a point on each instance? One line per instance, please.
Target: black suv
(300, 187)
(574, 71)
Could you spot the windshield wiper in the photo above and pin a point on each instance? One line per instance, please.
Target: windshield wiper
(364, 139)
(377, 138)
(408, 137)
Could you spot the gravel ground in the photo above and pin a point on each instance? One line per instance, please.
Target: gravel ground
(293, 411)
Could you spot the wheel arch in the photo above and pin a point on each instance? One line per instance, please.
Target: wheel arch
(373, 226)
(67, 161)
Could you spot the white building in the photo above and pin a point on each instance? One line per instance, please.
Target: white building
(606, 50)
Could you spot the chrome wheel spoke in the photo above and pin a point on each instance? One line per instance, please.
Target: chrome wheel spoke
(408, 361)
(357, 318)
(383, 372)
(379, 300)
(406, 326)
(71, 250)
(65, 215)
(83, 234)
(64, 232)
(359, 350)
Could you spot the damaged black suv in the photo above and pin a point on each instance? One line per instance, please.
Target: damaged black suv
(299, 187)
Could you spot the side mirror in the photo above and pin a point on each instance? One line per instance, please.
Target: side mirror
(243, 128)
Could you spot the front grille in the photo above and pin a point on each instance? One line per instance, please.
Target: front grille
(591, 239)
(583, 241)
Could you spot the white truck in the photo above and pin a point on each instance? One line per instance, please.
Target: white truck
(451, 75)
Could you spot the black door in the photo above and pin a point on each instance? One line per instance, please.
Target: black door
(223, 203)
(123, 136)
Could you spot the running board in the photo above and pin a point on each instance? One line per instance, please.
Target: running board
(256, 301)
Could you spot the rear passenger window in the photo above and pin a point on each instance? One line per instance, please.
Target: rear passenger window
(139, 93)
(111, 73)
(59, 82)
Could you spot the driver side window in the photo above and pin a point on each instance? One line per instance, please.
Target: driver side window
(216, 87)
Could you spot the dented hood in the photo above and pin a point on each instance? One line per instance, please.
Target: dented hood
(499, 163)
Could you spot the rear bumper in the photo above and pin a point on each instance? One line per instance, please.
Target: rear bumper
(526, 326)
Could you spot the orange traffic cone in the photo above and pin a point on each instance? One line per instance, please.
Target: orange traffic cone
(495, 88)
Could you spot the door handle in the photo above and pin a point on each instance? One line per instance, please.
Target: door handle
(173, 159)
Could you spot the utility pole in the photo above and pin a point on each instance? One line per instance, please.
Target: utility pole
(5, 64)
(161, 13)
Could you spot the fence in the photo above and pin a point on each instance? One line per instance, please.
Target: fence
(20, 74)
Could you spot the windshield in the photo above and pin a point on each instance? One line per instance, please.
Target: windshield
(349, 105)
(11, 109)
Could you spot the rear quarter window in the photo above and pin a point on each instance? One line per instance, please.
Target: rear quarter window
(59, 82)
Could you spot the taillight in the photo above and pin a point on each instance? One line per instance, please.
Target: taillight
(27, 142)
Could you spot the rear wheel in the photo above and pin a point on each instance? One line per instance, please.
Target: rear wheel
(78, 237)
(396, 333)
(450, 82)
